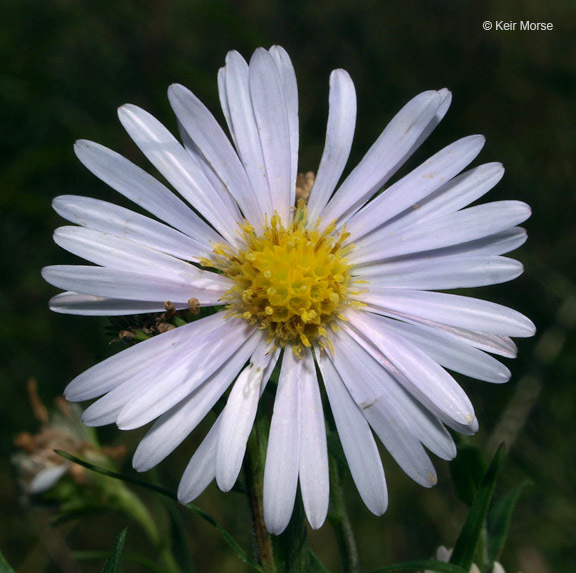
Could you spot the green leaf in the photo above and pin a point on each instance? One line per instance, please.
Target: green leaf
(422, 565)
(234, 545)
(467, 469)
(111, 566)
(499, 521)
(116, 475)
(316, 566)
(178, 540)
(126, 557)
(465, 547)
(4, 567)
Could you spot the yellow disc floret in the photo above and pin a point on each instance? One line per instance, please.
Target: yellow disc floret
(292, 281)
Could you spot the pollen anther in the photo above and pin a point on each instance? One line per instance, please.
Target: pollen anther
(292, 281)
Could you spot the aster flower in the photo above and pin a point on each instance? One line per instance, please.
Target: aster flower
(341, 284)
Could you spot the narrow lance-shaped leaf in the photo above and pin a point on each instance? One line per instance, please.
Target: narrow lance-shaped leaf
(113, 562)
(232, 543)
(467, 542)
(467, 469)
(499, 521)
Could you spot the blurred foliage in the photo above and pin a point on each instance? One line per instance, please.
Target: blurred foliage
(67, 64)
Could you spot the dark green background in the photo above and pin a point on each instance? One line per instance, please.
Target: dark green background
(66, 65)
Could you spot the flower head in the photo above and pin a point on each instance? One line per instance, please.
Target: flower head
(304, 274)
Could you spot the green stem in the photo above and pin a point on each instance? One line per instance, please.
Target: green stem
(340, 521)
(254, 474)
(131, 505)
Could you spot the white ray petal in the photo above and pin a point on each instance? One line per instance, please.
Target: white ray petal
(90, 305)
(440, 273)
(415, 186)
(224, 100)
(272, 118)
(357, 440)
(313, 472)
(493, 343)
(370, 389)
(238, 416)
(172, 428)
(375, 385)
(209, 137)
(451, 352)
(283, 453)
(137, 360)
(125, 254)
(454, 310)
(106, 409)
(113, 283)
(204, 359)
(290, 89)
(123, 223)
(146, 191)
(454, 195)
(339, 137)
(208, 170)
(172, 160)
(450, 230)
(242, 125)
(201, 468)
(416, 371)
(401, 137)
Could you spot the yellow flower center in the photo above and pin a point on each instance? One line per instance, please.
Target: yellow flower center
(292, 281)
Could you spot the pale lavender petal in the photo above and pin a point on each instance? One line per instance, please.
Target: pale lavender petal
(238, 416)
(121, 222)
(370, 387)
(493, 343)
(314, 480)
(283, 453)
(454, 310)
(440, 273)
(339, 137)
(170, 430)
(124, 254)
(423, 424)
(199, 158)
(271, 113)
(201, 468)
(415, 186)
(172, 160)
(244, 130)
(398, 141)
(106, 409)
(452, 196)
(207, 356)
(138, 360)
(415, 370)
(90, 305)
(146, 191)
(203, 129)
(290, 89)
(451, 352)
(223, 96)
(492, 245)
(113, 283)
(357, 440)
(453, 229)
